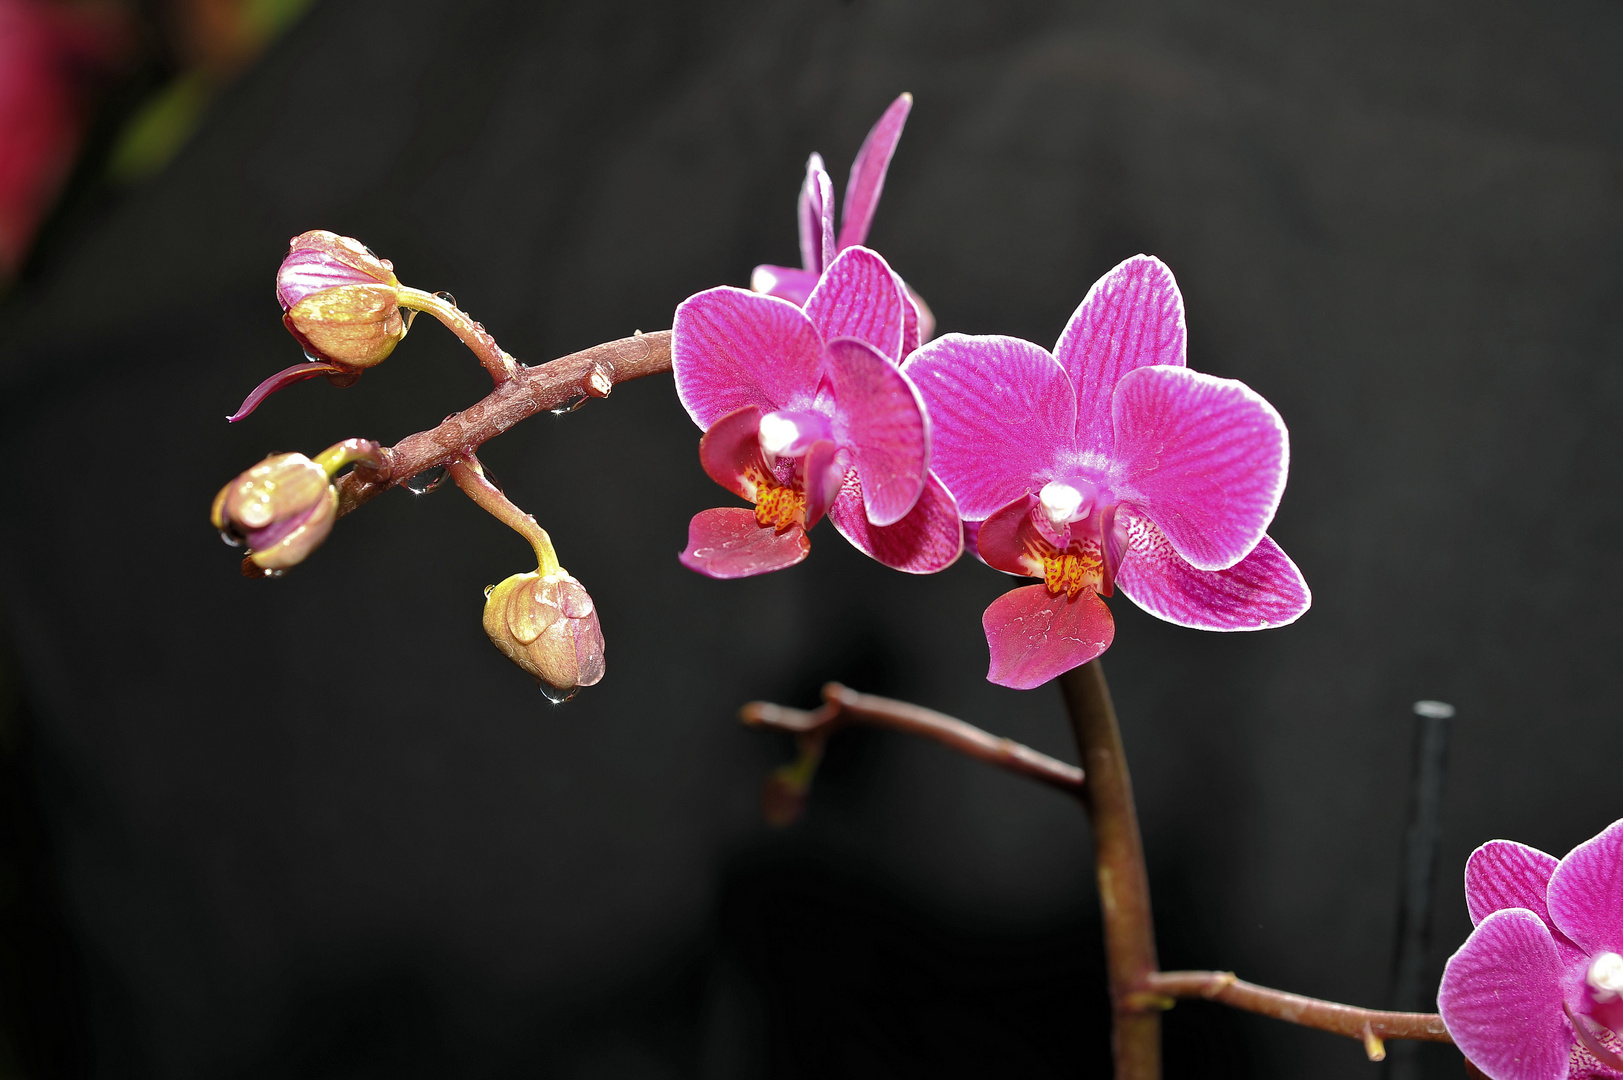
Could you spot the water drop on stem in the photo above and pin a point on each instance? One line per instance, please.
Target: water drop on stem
(425, 481)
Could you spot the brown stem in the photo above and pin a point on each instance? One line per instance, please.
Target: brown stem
(470, 476)
(589, 373)
(1124, 886)
(1370, 1025)
(497, 361)
(844, 706)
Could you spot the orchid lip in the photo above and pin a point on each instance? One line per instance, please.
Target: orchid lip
(790, 433)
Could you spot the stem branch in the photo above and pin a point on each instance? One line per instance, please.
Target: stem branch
(588, 373)
(470, 477)
(1124, 885)
(497, 361)
(843, 706)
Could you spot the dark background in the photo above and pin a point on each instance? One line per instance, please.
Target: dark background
(319, 827)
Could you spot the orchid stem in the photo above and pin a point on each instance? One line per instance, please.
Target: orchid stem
(364, 453)
(496, 360)
(470, 477)
(1124, 885)
(843, 706)
(1367, 1025)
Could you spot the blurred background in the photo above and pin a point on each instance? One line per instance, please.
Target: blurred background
(319, 827)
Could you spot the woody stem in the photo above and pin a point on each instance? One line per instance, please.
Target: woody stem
(470, 477)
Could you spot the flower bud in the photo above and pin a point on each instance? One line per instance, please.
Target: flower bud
(547, 625)
(282, 508)
(340, 300)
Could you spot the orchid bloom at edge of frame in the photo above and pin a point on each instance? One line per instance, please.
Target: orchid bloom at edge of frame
(1108, 463)
(806, 413)
(1536, 991)
(815, 215)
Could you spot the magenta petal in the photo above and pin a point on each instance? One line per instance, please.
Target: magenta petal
(1504, 874)
(928, 539)
(868, 172)
(859, 297)
(1586, 892)
(1262, 590)
(1008, 540)
(879, 419)
(785, 282)
(731, 348)
(730, 543)
(1035, 636)
(821, 475)
(285, 377)
(816, 217)
(732, 448)
(1204, 458)
(309, 270)
(1001, 413)
(1132, 317)
(1501, 999)
(910, 323)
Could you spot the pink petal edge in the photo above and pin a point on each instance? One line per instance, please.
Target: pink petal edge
(1586, 892)
(1261, 591)
(731, 348)
(929, 539)
(1034, 637)
(880, 421)
(868, 172)
(1501, 999)
(859, 297)
(785, 282)
(1202, 457)
(1504, 874)
(729, 543)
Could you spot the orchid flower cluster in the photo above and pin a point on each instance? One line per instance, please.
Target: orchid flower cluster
(1103, 465)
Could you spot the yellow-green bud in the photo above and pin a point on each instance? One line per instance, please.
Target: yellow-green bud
(339, 300)
(547, 625)
(282, 509)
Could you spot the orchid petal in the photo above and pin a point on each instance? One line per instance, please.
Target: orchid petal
(729, 543)
(928, 539)
(879, 418)
(1501, 999)
(285, 377)
(1008, 541)
(732, 448)
(1132, 317)
(910, 322)
(1504, 874)
(731, 348)
(925, 315)
(1586, 892)
(859, 297)
(1001, 411)
(785, 282)
(822, 475)
(1035, 636)
(1204, 458)
(868, 172)
(1262, 590)
(816, 213)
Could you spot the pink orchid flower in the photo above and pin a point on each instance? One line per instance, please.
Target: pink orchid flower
(818, 246)
(1106, 464)
(1536, 991)
(805, 414)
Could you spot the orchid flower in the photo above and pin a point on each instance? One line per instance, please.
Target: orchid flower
(1536, 991)
(805, 414)
(818, 246)
(1109, 463)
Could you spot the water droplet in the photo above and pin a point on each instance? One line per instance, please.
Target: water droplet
(600, 381)
(488, 590)
(570, 406)
(407, 317)
(447, 297)
(557, 696)
(492, 477)
(426, 481)
(313, 358)
(230, 541)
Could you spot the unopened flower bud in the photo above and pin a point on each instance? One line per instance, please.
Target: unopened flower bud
(339, 300)
(282, 509)
(547, 625)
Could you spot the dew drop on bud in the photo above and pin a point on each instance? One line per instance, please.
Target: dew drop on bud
(447, 297)
(488, 590)
(570, 406)
(425, 481)
(230, 541)
(557, 696)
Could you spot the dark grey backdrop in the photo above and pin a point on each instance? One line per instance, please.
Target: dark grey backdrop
(318, 827)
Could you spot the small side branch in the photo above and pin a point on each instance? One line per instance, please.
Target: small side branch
(472, 334)
(843, 706)
(589, 373)
(1367, 1025)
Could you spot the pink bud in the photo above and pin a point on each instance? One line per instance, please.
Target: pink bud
(547, 625)
(339, 300)
(282, 509)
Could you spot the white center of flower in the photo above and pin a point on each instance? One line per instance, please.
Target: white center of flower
(1061, 503)
(1606, 976)
(778, 433)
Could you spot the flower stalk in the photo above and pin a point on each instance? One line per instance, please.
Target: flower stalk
(495, 359)
(470, 476)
